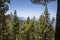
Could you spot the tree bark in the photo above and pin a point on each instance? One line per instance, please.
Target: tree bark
(57, 34)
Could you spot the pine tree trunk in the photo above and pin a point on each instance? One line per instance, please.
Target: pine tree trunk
(57, 34)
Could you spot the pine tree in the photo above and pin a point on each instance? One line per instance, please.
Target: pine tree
(52, 29)
(3, 27)
(46, 28)
(45, 20)
(28, 20)
(41, 24)
(16, 27)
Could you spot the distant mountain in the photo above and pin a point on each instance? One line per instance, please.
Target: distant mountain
(22, 18)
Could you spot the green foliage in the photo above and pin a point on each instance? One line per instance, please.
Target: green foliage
(45, 25)
(31, 29)
(3, 25)
(11, 28)
(28, 20)
(16, 25)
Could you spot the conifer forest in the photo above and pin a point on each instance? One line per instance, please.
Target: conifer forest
(13, 28)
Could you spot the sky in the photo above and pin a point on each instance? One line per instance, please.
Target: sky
(26, 8)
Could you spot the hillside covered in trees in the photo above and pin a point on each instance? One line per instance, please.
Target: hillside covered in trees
(12, 28)
(30, 29)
